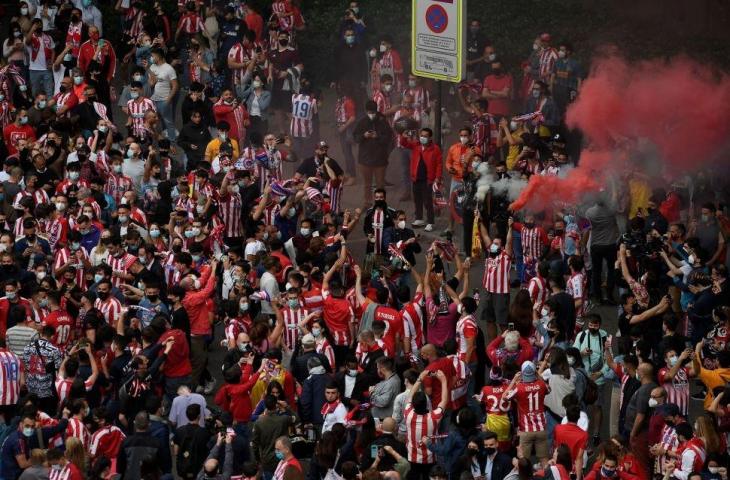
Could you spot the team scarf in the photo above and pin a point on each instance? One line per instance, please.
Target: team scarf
(448, 251)
(329, 407)
(534, 117)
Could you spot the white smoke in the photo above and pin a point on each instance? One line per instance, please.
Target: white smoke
(488, 182)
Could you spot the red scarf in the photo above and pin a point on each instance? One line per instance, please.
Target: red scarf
(35, 47)
(329, 407)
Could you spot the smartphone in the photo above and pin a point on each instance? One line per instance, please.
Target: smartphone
(510, 326)
(373, 451)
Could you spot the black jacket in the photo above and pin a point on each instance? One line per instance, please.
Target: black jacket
(134, 450)
(373, 152)
(386, 461)
(192, 134)
(361, 386)
(299, 364)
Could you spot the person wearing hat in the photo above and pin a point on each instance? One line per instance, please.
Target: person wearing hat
(529, 392)
(136, 448)
(299, 367)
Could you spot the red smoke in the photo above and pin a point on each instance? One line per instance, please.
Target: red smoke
(683, 108)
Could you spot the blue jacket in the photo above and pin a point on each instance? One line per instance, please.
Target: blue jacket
(312, 398)
(16, 443)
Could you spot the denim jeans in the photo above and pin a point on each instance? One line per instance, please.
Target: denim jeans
(41, 80)
(166, 111)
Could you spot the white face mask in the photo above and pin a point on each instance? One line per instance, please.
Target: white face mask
(305, 232)
(513, 126)
(383, 48)
(412, 83)
(713, 469)
(387, 87)
(561, 53)
(460, 309)
(371, 116)
(571, 361)
(544, 312)
(464, 140)
(494, 248)
(653, 402)
(691, 259)
(402, 224)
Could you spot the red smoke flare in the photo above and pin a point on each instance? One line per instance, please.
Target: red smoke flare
(683, 108)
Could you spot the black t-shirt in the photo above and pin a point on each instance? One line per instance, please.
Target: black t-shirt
(192, 441)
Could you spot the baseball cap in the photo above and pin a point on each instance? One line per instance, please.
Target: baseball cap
(323, 144)
(308, 339)
(529, 373)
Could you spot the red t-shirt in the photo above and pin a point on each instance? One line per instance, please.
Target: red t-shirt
(337, 314)
(63, 323)
(493, 400)
(393, 323)
(573, 436)
(498, 106)
(530, 398)
(13, 133)
(178, 360)
(447, 366)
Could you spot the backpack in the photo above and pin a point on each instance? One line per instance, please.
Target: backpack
(590, 396)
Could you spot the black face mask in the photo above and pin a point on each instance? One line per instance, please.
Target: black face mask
(177, 248)
(153, 298)
(382, 204)
(102, 295)
(489, 450)
(62, 89)
(74, 19)
(473, 451)
(283, 42)
(31, 237)
(92, 98)
(529, 224)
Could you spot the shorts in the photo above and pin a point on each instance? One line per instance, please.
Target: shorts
(500, 425)
(538, 440)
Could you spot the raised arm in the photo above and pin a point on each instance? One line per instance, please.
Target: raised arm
(358, 285)
(624, 266)
(508, 241)
(444, 389)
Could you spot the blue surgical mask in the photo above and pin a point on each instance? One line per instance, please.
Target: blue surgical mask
(123, 218)
(196, 258)
(28, 432)
(316, 332)
(154, 233)
(243, 306)
(130, 153)
(134, 95)
(98, 277)
(41, 104)
(75, 245)
(189, 234)
(279, 455)
(293, 303)
(11, 295)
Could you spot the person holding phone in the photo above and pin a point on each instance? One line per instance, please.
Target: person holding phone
(421, 424)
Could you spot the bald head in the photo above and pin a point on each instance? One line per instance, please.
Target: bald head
(388, 425)
(646, 372)
(428, 351)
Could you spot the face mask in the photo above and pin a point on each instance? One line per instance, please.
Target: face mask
(383, 48)
(593, 331)
(223, 136)
(200, 209)
(24, 11)
(23, 120)
(196, 231)
(134, 95)
(75, 245)
(279, 455)
(705, 218)
(673, 360)
(349, 39)
(44, 301)
(561, 53)
(387, 87)
(691, 259)
(243, 346)
(23, 88)
(283, 42)
(494, 248)
(73, 175)
(473, 451)
(536, 93)
(489, 450)
(130, 153)
(243, 306)
(28, 431)
(316, 332)
(305, 232)
(535, 46)
(637, 376)
(607, 473)
(352, 373)
(293, 303)
(402, 224)
(123, 218)
(196, 258)
(423, 140)
(196, 284)
(544, 312)
(98, 277)
(2, 97)
(571, 361)
(256, 84)
(653, 402)
(137, 78)
(78, 80)
(713, 469)
(459, 309)
(60, 206)
(371, 116)
(412, 83)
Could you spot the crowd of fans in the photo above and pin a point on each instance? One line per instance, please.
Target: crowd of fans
(186, 294)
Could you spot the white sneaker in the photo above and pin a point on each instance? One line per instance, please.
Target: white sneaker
(418, 223)
(428, 228)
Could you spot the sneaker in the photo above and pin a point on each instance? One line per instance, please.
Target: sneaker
(418, 223)
(429, 228)
(209, 386)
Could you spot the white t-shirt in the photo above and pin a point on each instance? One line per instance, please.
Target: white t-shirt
(39, 64)
(134, 169)
(165, 75)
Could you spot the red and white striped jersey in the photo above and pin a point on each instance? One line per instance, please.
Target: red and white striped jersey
(324, 348)
(421, 101)
(313, 300)
(270, 212)
(303, 108)
(56, 230)
(133, 18)
(677, 388)
(63, 256)
(670, 443)
(10, 366)
(66, 186)
(335, 194)
(530, 398)
(466, 328)
(292, 317)
(461, 382)
(190, 23)
(106, 441)
(138, 215)
(533, 241)
(496, 273)
(283, 11)
(412, 313)
(417, 427)
(239, 54)
(547, 63)
(137, 109)
(39, 196)
(121, 264)
(576, 288)
(378, 228)
(68, 472)
(63, 387)
(344, 110)
(229, 208)
(111, 308)
(234, 327)
(76, 428)
(383, 101)
(486, 132)
(539, 292)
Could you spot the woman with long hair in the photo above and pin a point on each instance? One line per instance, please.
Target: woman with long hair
(561, 384)
(75, 453)
(325, 457)
(520, 313)
(705, 430)
(273, 388)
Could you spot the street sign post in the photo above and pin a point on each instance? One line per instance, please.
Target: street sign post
(438, 39)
